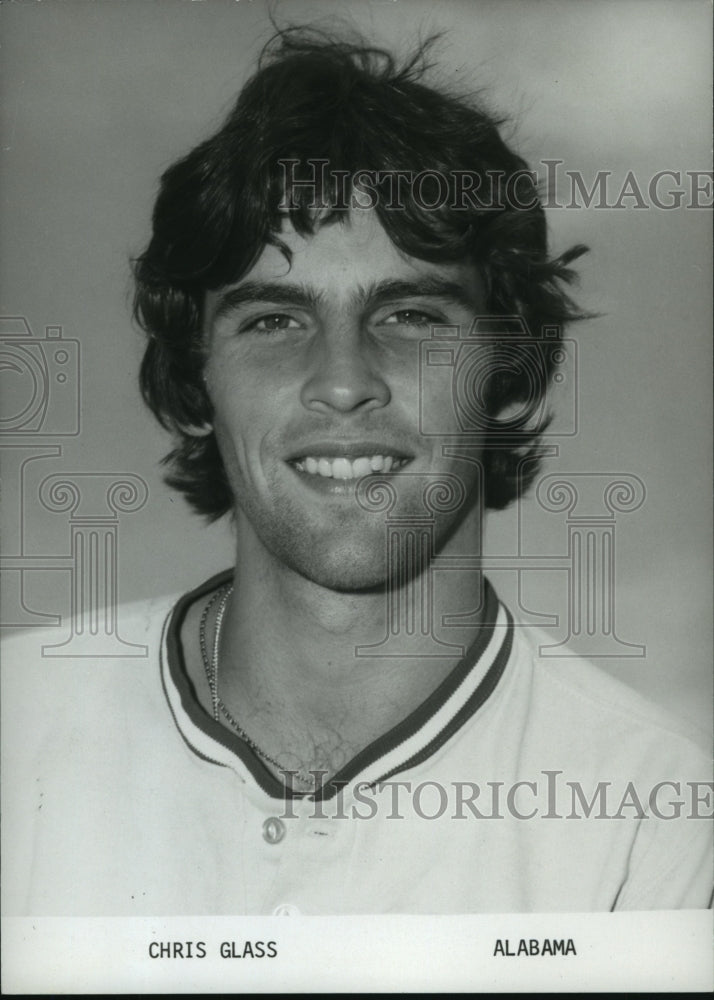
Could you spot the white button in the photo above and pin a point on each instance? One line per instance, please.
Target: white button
(273, 830)
(286, 910)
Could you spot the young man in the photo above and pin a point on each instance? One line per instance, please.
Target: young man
(315, 739)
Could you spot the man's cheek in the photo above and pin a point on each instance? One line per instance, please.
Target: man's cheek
(438, 410)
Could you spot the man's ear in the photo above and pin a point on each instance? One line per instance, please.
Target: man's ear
(196, 430)
(203, 429)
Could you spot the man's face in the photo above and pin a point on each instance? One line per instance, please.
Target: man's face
(313, 373)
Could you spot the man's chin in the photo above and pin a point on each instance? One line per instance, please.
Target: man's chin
(342, 568)
(343, 548)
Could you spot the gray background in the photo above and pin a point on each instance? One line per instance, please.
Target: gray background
(99, 97)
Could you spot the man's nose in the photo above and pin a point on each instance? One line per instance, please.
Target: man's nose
(344, 375)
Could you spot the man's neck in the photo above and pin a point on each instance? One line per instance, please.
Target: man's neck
(295, 663)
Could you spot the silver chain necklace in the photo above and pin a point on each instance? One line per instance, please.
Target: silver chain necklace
(210, 664)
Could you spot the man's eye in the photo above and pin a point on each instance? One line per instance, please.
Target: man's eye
(410, 317)
(273, 323)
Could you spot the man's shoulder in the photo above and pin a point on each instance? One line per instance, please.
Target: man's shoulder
(589, 706)
(67, 674)
(126, 631)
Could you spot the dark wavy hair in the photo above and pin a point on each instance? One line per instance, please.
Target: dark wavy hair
(317, 97)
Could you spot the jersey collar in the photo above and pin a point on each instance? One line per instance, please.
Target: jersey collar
(416, 738)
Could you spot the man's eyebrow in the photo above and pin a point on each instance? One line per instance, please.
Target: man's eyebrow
(430, 287)
(282, 293)
(278, 293)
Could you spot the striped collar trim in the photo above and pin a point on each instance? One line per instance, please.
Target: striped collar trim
(420, 735)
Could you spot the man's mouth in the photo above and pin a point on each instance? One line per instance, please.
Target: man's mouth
(342, 467)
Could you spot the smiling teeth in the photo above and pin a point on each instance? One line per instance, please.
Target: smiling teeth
(344, 468)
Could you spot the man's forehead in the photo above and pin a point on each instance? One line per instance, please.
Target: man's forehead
(352, 253)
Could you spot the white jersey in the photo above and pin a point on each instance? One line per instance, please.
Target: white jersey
(521, 784)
